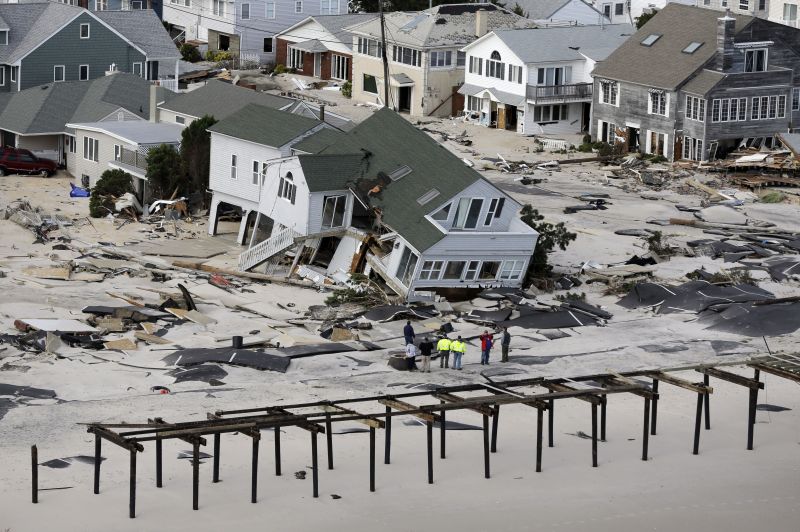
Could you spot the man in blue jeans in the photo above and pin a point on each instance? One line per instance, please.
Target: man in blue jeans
(487, 340)
(458, 347)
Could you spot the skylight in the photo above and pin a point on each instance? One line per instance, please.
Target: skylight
(651, 39)
(692, 48)
(428, 196)
(400, 172)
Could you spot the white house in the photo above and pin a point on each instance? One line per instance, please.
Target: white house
(383, 199)
(558, 12)
(537, 80)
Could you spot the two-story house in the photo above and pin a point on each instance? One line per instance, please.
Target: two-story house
(692, 84)
(386, 200)
(243, 27)
(51, 43)
(547, 12)
(537, 80)
(426, 66)
(320, 46)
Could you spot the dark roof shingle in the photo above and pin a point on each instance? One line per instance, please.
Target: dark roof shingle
(220, 100)
(264, 125)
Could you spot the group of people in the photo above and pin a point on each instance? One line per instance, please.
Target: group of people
(445, 347)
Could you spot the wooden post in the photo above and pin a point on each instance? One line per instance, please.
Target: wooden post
(697, 419)
(132, 502)
(654, 416)
(97, 444)
(539, 429)
(751, 418)
(429, 426)
(387, 452)
(646, 432)
(195, 474)
(277, 451)
(603, 402)
(314, 464)
(594, 435)
(34, 474)
(329, 439)
(217, 443)
(372, 459)
(159, 465)
(486, 446)
(707, 404)
(254, 477)
(550, 411)
(442, 432)
(495, 421)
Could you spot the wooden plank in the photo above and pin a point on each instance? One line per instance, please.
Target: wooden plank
(374, 423)
(620, 380)
(501, 390)
(151, 338)
(559, 387)
(732, 377)
(115, 438)
(777, 371)
(407, 407)
(681, 383)
(159, 421)
(302, 424)
(451, 398)
(123, 344)
(55, 273)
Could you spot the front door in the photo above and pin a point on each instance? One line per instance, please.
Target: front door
(501, 117)
(404, 99)
(317, 65)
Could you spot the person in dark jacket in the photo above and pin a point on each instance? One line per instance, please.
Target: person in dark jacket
(408, 333)
(505, 343)
(425, 349)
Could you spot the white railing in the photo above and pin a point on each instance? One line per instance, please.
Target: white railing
(169, 84)
(266, 249)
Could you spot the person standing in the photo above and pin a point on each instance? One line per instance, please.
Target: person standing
(443, 346)
(411, 357)
(408, 333)
(458, 347)
(505, 343)
(486, 346)
(425, 349)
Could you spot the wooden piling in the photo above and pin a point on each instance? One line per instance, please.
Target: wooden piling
(372, 459)
(97, 459)
(314, 464)
(646, 431)
(707, 404)
(217, 444)
(603, 403)
(751, 418)
(654, 416)
(196, 475)
(550, 413)
(329, 439)
(132, 501)
(495, 421)
(277, 451)
(486, 446)
(697, 419)
(254, 473)
(34, 474)
(429, 427)
(594, 435)
(387, 451)
(539, 430)
(159, 464)
(442, 433)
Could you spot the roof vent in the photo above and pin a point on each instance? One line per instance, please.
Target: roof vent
(400, 172)
(428, 196)
(692, 48)
(651, 39)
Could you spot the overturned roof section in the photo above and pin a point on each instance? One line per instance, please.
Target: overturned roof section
(144, 29)
(220, 100)
(386, 142)
(443, 25)
(48, 108)
(264, 125)
(567, 43)
(663, 64)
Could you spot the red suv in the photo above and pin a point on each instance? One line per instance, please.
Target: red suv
(18, 161)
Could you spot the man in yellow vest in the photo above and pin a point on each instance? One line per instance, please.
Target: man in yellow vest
(443, 346)
(458, 347)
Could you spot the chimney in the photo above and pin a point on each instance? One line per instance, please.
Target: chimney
(153, 102)
(481, 22)
(322, 112)
(725, 28)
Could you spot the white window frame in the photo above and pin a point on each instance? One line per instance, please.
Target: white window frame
(460, 275)
(370, 47)
(338, 200)
(269, 10)
(117, 152)
(495, 67)
(55, 77)
(218, 7)
(2, 76)
(471, 270)
(753, 52)
(649, 146)
(609, 93)
(329, 7)
(400, 55)
(545, 114)
(245, 7)
(13, 74)
(692, 149)
(728, 110)
(494, 211)
(610, 136)
(296, 58)
(431, 270)
(511, 270)
(787, 12)
(298, 6)
(796, 99)
(88, 30)
(180, 119)
(256, 171)
(140, 66)
(695, 109)
(657, 101)
(340, 67)
(4, 40)
(234, 162)
(287, 189)
(474, 104)
(467, 202)
(475, 65)
(91, 147)
(744, 5)
(441, 58)
(80, 71)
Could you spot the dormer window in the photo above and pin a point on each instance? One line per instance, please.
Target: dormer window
(3, 37)
(755, 60)
(692, 48)
(651, 39)
(84, 31)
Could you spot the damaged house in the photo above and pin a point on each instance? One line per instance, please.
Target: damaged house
(695, 84)
(384, 200)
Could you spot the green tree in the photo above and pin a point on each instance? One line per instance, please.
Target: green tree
(642, 19)
(550, 237)
(190, 53)
(112, 184)
(196, 152)
(166, 173)
(517, 10)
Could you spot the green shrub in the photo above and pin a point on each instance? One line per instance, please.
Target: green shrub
(190, 53)
(218, 55)
(347, 89)
(283, 69)
(773, 196)
(112, 184)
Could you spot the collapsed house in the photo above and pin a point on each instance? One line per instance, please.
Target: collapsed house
(384, 200)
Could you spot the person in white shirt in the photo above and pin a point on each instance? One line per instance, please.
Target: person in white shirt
(411, 356)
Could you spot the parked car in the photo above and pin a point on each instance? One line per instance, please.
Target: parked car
(19, 161)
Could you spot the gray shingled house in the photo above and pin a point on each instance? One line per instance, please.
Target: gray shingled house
(695, 84)
(52, 42)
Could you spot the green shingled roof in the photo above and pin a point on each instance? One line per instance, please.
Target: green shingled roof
(390, 142)
(220, 100)
(264, 125)
(331, 172)
(319, 141)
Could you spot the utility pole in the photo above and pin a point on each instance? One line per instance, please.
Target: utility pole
(385, 58)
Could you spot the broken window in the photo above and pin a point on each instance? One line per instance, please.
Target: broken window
(454, 269)
(658, 143)
(658, 102)
(489, 270)
(467, 213)
(286, 188)
(442, 214)
(431, 270)
(692, 149)
(512, 270)
(495, 209)
(408, 263)
(333, 211)
(755, 60)
(609, 92)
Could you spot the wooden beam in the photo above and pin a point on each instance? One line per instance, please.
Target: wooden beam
(303, 424)
(559, 387)
(681, 383)
(368, 421)
(777, 371)
(732, 377)
(115, 438)
(160, 421)
(454, 399)
(402, 406)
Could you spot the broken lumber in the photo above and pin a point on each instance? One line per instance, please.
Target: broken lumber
(150, 338)
(123, 344)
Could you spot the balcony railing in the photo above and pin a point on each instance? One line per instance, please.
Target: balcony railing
(560, 93)
(133, 158)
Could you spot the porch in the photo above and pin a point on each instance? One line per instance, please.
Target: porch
(544, 94)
